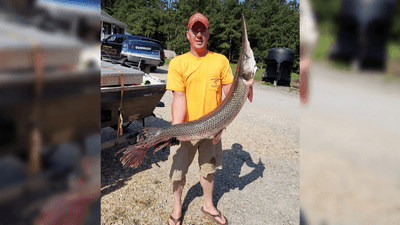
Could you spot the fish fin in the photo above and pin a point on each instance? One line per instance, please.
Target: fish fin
(159, 146)
(250, 96)
(149, 131)
(217, 137)
(133, 155)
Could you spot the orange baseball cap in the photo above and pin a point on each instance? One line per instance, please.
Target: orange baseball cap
(198, 17)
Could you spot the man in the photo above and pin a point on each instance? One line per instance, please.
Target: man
(308, 39)
(196, 80)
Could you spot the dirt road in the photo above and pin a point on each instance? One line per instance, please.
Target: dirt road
(259, 182)
(350, 140)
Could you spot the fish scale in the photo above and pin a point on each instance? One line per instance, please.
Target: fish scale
(208, 125)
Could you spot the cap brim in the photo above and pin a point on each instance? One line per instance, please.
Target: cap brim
(198, 21)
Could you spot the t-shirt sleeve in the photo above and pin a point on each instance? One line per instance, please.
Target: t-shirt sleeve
(226, 76)
(175, 78)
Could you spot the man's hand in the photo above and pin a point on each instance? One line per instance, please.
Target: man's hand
(173, 141)
(305, 63)
(250, 82)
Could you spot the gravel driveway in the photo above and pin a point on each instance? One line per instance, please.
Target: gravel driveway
(350, 140)
(259, 182)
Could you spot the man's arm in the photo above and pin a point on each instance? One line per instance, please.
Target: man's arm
(178, 107)
(226, 88)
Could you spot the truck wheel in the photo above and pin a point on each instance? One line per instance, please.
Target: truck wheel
(153, 68)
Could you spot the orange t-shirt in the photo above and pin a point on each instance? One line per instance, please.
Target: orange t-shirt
(201, 79)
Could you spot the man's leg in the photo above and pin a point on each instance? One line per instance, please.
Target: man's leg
(182, 156)
(210, 158)
(177, 187)
(208, 186)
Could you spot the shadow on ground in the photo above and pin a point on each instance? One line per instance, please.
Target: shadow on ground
(229, 177)
(161, 71)
(113, 174)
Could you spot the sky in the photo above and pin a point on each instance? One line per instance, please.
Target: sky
(298, 1)
(85, 4)
(91, 5)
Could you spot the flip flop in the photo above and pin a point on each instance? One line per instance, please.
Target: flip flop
(175, 220)
(213, 217)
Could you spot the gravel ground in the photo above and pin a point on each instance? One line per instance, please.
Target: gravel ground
(350, 140)
(259, 182)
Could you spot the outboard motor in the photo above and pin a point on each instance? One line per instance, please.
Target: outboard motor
(363, 30)
(279, 65)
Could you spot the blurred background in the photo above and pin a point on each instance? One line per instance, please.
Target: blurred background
(49, 112)
(350, 94)
(358, 31)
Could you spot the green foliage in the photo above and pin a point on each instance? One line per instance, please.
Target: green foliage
(108, 6)
(295, 77)
(394, 51)
(394, 32)
(270, 23)
(233, 67)
(324, 43)
(258, 75)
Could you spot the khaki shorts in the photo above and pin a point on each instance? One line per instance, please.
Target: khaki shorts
(210, 157)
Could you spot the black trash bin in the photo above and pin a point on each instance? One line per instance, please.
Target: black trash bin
(279, 65)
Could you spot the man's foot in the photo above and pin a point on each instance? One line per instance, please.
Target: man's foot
(215, 214)
(175, 218)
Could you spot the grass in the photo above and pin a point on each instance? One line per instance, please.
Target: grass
(322, 49)
(148, 203)
(321, 52)
(295, 77)
(269, 84)
(120, 214)
(393, 50)
(259, 73)
(256, 77)
(393, 65)
(326, 39)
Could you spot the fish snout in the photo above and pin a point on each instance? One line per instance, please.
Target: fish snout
(248, 75)
(250, 72)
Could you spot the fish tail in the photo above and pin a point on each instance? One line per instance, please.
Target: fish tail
(133, 155)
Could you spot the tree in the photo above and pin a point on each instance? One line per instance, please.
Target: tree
(270, 23)
(108, 6)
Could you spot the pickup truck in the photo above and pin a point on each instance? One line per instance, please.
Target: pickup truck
(130, 50)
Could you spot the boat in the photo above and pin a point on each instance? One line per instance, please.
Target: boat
(129, 93)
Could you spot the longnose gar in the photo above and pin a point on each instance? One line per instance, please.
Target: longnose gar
(211, 124)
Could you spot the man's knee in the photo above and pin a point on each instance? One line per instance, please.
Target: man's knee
(181, 181)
